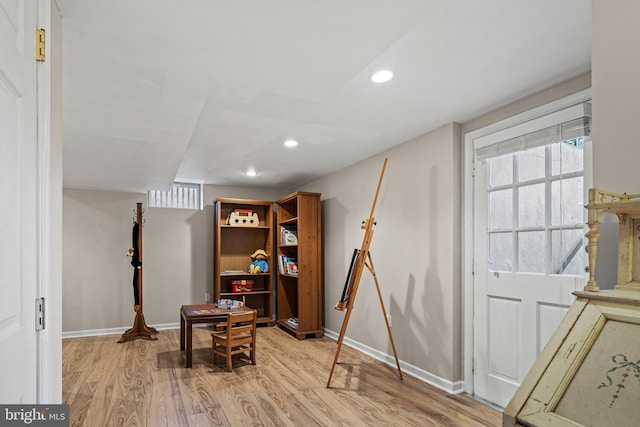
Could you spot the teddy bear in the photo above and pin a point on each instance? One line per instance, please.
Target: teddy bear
(259, 264)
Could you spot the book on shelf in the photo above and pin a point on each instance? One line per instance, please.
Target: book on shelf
(288, 235)
(287, 265)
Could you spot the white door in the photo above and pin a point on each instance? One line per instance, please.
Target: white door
(18, 190)
(529, 255)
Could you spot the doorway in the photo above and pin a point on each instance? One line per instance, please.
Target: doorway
(526, 226)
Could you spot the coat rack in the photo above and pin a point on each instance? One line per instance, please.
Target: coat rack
(140, 328)
(362, 258)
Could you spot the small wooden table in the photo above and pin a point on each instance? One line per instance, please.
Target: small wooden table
(201, 313)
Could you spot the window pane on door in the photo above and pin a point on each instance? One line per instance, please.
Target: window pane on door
(567, 157)
(531, 164)
(568, 204)
(531, 206)
(501, 170)
(500, 209)
(531, 252)
(500, 251)
(567, 251)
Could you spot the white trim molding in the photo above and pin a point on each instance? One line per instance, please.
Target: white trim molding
(407, 368)
(119, 331)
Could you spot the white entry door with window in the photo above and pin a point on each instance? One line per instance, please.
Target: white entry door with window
(529, 244)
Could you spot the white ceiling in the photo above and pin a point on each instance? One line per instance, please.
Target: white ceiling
(201, 90)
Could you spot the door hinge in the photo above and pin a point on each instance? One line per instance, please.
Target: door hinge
(40, 39)
(39, 314)
(473, 365)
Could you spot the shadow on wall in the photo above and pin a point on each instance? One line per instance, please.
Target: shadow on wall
(333, 213)
(421, 341)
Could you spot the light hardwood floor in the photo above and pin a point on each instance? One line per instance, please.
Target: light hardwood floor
(145, 383)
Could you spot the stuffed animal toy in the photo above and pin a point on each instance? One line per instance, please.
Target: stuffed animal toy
(259, 264)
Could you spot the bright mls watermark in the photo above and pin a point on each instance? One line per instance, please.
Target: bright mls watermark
(34, 415)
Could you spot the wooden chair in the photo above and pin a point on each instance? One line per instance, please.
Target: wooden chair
(239, 337)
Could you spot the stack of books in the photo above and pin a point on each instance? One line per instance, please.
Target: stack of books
(229, 303)
(287, 265)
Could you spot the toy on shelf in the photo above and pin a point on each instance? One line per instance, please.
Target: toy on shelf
(259, 264)
(242, 286)
(243, 218)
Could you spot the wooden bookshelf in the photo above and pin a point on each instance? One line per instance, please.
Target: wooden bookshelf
(233, 245)
(300, 295)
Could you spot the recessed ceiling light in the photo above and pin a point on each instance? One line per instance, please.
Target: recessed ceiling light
(251, 172)
(382, 76)
(290, 143)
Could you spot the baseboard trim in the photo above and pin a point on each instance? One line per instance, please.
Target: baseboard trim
(450, 387)
(119, 331)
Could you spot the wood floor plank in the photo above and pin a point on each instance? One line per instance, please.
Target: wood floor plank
(145, 383)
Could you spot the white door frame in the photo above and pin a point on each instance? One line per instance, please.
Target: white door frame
(467, 226)
(49, 209)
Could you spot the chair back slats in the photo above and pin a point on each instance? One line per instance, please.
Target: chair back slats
(242, 317)
(239, 337)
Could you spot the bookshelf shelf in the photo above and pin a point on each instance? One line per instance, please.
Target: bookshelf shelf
(227, 294)
(299, 295)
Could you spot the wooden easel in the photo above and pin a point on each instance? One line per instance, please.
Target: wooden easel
(140, 328)
(360, 260)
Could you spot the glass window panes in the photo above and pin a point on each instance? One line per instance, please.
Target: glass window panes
(182, 196)
(567, 205)
(531, 164)
(536, 222)
(567, 157)
(567, 252)
(501, 170)
(500, 251)
(531, 252)
(500, 209)
(531, 206)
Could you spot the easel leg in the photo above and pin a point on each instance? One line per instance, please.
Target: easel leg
(345, 322)
(384, 312)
